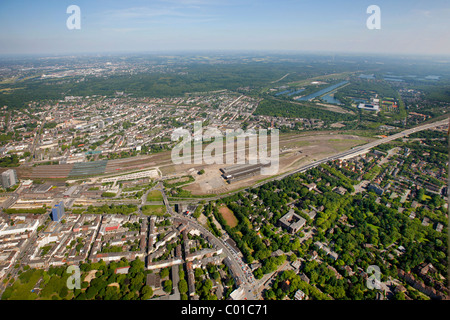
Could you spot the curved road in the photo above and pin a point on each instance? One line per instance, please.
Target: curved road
(247, 279)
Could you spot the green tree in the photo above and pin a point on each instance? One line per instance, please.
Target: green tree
(136, 266)
(168, 286)
(63, 292)
(164, 273)
(146, 292)
(91, 292)
(198, 272)
(182, 286)
(137, 282)
(111, 293)
(258, 273)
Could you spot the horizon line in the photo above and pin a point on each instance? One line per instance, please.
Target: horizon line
(221, 51)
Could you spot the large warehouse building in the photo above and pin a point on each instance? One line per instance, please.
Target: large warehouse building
(241, 171)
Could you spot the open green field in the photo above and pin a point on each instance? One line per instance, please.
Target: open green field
(156, 210)
(21, 289)
(154, 195)
(344, 144)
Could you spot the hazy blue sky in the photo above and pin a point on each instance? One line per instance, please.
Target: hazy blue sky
(39, 26)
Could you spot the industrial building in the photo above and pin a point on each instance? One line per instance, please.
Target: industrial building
(241, 171)
(371, 107)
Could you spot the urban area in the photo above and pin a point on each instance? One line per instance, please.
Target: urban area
(88, 181)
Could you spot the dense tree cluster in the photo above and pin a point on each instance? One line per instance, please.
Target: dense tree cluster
(373, 231)
(112, 209)
(106, 285)
(276, 108)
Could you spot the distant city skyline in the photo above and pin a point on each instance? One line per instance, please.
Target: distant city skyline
(407, 27)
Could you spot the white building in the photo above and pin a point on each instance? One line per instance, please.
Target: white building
(30, 225)
(9, 178)
(371, 107)
(299, 295)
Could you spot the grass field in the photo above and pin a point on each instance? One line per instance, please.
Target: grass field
(344, 144)
(21, 289)
(156, 210)
(229, 216)
(155, 195)
(176, 182)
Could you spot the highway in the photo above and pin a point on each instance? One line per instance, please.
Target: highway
(37, 136)
(358, 150)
